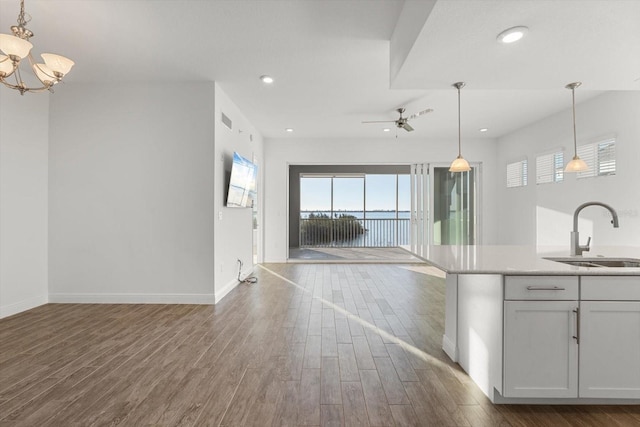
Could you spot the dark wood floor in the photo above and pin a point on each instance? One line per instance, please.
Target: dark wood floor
(309, 344)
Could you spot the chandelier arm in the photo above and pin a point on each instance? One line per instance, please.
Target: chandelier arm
(23, 89)
(18, 76)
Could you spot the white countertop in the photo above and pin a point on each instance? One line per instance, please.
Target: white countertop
(524, 260)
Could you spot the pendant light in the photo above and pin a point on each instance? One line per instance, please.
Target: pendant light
(576, 164)
(459, 164)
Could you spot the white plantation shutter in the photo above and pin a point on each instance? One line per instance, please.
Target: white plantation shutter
(600, 157)
(550, 168)
(517, 174)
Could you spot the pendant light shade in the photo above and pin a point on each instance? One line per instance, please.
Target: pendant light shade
(576, 164)
(459, 164)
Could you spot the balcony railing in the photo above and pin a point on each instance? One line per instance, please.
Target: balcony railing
(352, 232)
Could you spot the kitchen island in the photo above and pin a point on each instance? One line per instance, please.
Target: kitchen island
(530, 330)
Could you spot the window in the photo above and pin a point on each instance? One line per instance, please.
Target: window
(600, 157)
(517, 174)
(550, 168)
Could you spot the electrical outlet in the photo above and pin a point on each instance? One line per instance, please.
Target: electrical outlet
(220, 215)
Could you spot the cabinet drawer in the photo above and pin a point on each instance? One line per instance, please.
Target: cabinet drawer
(610, 288)
(541, 288)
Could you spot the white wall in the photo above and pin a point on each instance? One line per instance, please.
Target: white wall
(24, 128)
(234, 235)
(543, 214)
(280, 153)
(131, 172)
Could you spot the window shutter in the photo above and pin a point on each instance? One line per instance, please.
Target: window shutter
(550, 168)
(600, 157)
(517, 174)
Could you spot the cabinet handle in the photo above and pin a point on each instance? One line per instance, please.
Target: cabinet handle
(545, 288)
(577, 335)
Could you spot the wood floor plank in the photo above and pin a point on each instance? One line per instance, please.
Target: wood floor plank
(309, 398)
(364, 358)
(348, 363)
(330, 392)
(329, 342)
(401, 363)
(375, 399)
(391, 383)
(404, 415)
(355, 410)
(332, 416)
(343, 333)
(313, 352)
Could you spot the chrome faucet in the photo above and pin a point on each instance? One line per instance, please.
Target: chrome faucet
(576, 247)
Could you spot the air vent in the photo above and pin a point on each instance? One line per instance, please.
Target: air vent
(227, 121)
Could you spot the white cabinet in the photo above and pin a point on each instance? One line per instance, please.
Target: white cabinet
(610, 337)
(555, 346)
(540, 353)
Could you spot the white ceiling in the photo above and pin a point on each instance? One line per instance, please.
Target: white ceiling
(331, 58)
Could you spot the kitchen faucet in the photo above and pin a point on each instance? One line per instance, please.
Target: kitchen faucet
(576, 247)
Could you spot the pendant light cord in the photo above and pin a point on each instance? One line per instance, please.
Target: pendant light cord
(459, 126)
(459, 86)
(573, 103)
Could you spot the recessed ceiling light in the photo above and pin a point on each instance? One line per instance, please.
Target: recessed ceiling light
(266, 79)
(512, 34)
(386, 130)
(484, 130)
(289, 129)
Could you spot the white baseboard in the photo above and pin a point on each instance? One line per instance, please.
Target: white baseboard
(231, 285)
(449, 347)
(24, 305)
(132, 298)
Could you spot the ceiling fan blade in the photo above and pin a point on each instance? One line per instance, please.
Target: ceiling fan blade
(420, 113)
(380, 121)
(407, 127)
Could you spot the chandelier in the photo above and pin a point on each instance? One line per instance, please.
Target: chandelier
(14, 48)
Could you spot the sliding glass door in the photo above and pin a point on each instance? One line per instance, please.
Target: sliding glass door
(453, 207)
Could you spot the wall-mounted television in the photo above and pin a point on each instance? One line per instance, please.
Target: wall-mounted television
(242, 183)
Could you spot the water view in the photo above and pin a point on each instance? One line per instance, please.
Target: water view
(353, 229)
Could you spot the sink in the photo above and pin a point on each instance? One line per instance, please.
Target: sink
(599, 262)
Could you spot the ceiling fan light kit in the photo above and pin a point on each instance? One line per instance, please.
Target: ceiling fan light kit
(14, 48)
(576, 164)
(459, 164)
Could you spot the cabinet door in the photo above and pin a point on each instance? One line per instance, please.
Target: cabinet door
(610, 349)
(540, 352)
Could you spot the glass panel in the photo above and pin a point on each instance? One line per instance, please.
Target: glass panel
(348, 196)
(381, 196)
(454, 207)
(315, 196)
(254, 208)
(420, 201)
(348, 211)
(315, 211)
(404, 209)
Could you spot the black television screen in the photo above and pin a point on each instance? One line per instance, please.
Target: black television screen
(242, 183)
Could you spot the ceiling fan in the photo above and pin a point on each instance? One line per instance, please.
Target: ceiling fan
(402, 121)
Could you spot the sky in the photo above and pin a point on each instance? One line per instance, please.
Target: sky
(349, 194)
